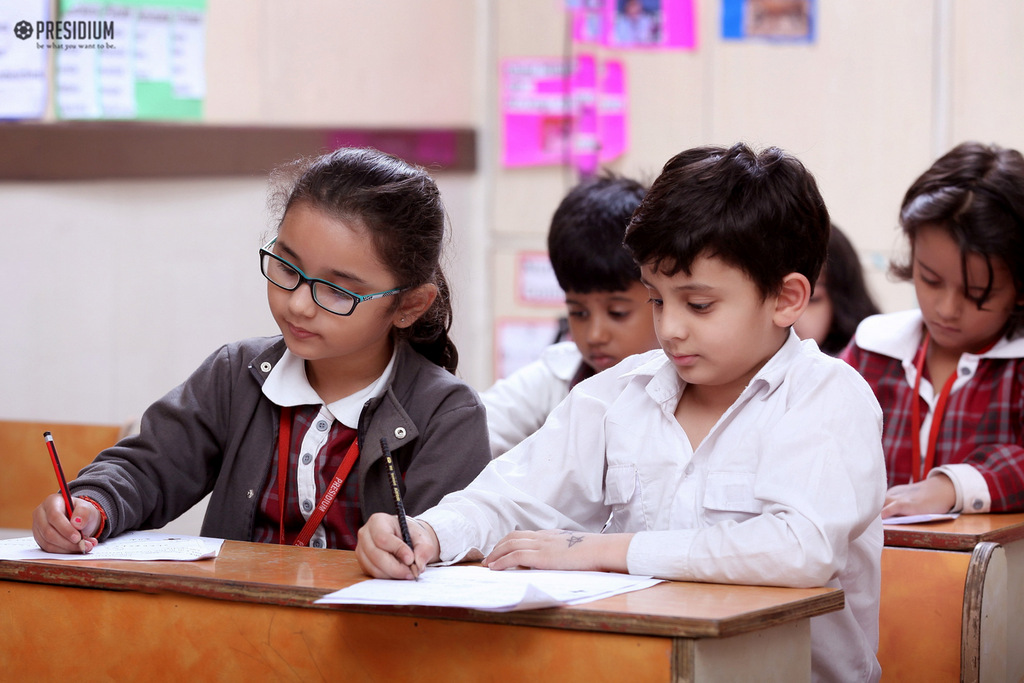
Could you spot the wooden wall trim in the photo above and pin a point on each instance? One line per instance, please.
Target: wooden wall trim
(130, 149)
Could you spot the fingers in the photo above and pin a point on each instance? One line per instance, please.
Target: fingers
(518, 549)
(381, 551)
(54, 532)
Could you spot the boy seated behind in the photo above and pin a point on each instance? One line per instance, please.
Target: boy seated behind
(609, 309)
(736, 454)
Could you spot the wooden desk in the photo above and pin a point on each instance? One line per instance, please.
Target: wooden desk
(250, 612)
(953, 599)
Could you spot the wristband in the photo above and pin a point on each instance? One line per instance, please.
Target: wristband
(103, 515)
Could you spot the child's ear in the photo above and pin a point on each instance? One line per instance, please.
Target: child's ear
(414, 303)
(792, 300)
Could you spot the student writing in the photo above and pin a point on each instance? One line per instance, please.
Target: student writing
(950, 374)
(266, 424)
(735, 454)
(608, 309)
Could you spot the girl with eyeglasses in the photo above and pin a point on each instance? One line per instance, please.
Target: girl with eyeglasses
(286, 431)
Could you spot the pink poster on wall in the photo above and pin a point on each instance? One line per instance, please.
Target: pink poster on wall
(588, 17)
(553, 115)
(650, 24)
(611, 108)
(586, 142)
(536, 109)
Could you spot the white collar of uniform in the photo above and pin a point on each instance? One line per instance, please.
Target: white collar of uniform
(665, 384)
(898, 335)
(287, 385)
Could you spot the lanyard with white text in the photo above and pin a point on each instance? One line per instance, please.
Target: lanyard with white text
(283, 448)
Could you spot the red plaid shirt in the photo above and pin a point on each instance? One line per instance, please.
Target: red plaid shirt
(344, 517)
(983, 425)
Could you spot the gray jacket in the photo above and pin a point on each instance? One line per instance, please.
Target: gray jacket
(218, 432)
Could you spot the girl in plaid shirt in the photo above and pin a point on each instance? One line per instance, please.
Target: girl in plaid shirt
(950, 376)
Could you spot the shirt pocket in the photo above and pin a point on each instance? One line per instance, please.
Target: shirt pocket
(619, 485)
(622, 493)
(730, 495)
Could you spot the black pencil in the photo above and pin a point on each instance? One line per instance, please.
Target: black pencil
(399, 505)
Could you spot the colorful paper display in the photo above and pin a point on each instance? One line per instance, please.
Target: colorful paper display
(554, 114)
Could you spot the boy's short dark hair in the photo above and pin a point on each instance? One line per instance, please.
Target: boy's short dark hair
(759, 212)
(585, 238)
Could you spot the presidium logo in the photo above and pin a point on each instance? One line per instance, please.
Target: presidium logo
(65, 30)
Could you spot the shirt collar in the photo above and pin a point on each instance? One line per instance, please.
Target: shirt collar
(287, 385)
(665, 384)
(898, 335)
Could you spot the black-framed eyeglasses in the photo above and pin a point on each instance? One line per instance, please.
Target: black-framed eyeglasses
(328, 296)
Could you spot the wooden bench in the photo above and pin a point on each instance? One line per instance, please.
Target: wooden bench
(28, 474)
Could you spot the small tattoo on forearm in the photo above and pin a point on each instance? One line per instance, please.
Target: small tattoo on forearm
(573, 540)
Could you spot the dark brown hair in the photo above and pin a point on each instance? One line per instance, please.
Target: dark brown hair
(760, 212)
(974, 192)
(400, 206)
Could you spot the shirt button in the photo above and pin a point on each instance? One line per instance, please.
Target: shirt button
(966, 372)
(977, 504)
(317, 543)
(322, 425)
(306, 458)
(250, 493)
(690, 468)
(265, 366)
(399, 432)
(307, 505)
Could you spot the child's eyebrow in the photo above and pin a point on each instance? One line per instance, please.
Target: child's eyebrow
(694, 287)
(338, 274)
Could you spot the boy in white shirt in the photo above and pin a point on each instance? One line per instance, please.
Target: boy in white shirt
(609, 311)
(736, 454)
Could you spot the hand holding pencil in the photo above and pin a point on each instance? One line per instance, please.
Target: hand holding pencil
(392, 546)
(62, 524)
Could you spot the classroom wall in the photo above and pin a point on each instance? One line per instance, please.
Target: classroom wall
(117, 289)
(885, 88)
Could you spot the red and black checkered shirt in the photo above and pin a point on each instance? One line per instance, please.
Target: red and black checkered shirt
(983, 424)
(344, 517)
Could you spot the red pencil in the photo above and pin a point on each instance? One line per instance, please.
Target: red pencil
(59, 471)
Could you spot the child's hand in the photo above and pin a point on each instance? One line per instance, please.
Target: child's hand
(933, 495)
(383, 554)
(557, 549)
(56, 534)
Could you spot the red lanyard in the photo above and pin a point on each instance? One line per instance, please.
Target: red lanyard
(283, 447)
(940, 409)
(915, 415)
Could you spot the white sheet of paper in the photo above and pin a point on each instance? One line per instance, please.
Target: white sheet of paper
(480, 588)
(919, 519)
(134, 545)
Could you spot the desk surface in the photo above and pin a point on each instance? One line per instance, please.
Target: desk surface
(282, 575)
(962, 533)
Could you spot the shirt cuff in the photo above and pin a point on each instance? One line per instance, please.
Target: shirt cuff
(647, 554)
(451, 530)
(972, 496)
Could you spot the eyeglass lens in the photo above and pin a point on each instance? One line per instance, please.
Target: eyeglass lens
(286, 277)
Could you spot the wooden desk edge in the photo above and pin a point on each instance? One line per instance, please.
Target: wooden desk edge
(940, 536)
(586, 617)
